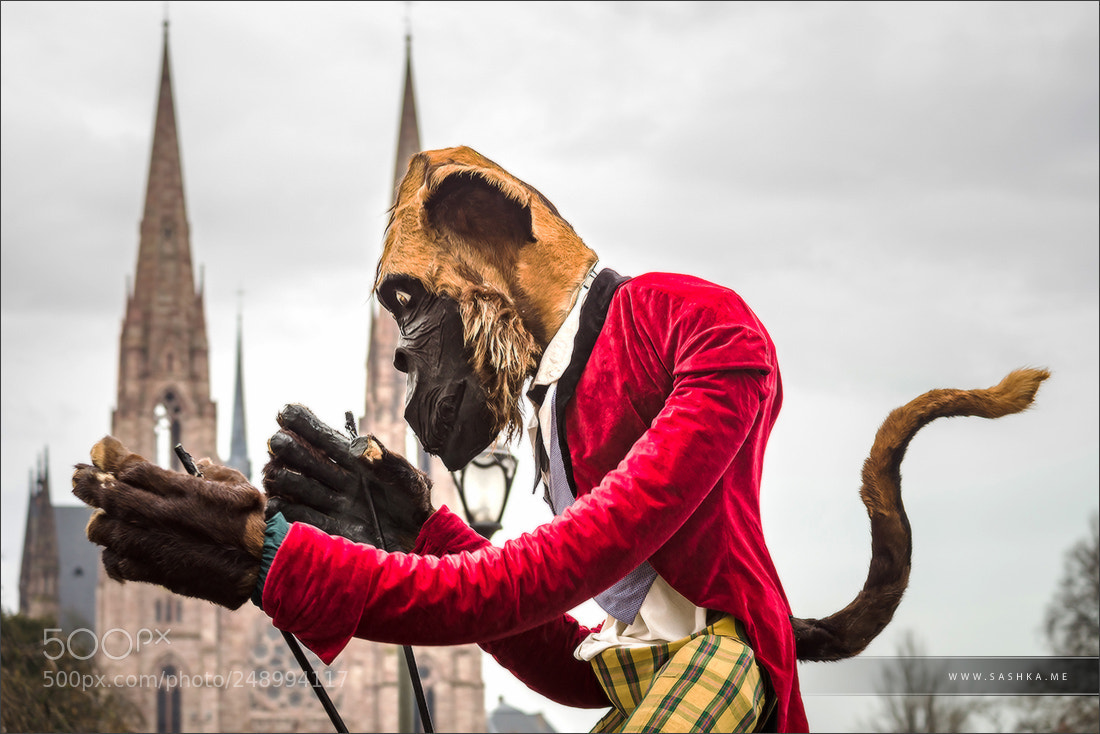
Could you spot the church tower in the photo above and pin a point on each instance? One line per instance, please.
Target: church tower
(164, 399)
(189, 665)
(451, 676)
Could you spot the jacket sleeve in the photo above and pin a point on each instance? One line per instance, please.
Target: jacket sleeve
(542, 657)
(327, 590)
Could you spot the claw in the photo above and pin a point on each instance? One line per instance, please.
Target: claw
(105, 452)
(367, 447)
(91, 530)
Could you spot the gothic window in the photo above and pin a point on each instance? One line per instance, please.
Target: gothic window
(168, 701)
(163, 428)
(166, 427)
(169, 610)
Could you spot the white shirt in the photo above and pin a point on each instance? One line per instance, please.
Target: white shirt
(665, 615)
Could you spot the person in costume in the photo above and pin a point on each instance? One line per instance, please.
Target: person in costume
(652, 399)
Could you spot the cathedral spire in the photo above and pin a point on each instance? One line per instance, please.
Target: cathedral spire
(238, 450)
(163, 376)
(165, 254)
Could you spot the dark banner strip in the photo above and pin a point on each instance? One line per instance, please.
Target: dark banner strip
(942, 676)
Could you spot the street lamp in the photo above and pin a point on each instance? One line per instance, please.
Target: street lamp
(483, 486)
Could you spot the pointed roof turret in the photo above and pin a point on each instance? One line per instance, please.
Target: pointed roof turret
(165, 184)
(38, 571)
(408, 132)
(238, 450)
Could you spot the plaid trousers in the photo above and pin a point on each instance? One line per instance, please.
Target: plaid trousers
(706, 682)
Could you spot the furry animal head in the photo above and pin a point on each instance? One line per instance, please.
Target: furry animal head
(470, 231)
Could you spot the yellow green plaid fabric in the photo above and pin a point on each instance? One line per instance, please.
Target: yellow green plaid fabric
(706, 682)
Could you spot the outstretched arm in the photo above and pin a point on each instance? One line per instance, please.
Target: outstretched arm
(327, 590)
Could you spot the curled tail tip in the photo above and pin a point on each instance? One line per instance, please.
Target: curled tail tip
(1018, 388)
(1029, 374)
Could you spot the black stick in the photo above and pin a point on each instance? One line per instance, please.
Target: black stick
(295, 646)
(315, 682)
(410, 659)
(187, 461)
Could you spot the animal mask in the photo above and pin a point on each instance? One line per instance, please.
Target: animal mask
(482, 243)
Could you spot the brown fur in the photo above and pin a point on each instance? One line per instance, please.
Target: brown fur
(199, 537)
(503, 353)
(848, 632)
(470, 230)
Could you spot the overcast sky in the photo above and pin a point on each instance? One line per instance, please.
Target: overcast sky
(905, 193)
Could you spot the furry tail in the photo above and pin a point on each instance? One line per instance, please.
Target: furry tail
(848, 632)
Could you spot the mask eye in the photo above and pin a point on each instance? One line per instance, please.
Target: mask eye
(399, 294)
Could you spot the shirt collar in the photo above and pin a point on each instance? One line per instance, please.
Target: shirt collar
(556, 356)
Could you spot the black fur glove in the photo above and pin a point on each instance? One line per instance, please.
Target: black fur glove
(319, 476)
(200, 537)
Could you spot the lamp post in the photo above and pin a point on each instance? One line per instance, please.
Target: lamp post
(483, 487)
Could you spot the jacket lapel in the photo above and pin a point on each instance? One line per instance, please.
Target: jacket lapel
(593, 315)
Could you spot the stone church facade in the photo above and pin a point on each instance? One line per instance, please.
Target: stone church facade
(187, 664)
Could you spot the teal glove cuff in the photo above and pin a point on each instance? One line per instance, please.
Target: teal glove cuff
(277, 528)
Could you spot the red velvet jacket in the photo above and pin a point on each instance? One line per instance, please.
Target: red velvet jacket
(666, 435)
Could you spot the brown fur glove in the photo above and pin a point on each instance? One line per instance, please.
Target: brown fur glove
(197, 536)
(318, 476)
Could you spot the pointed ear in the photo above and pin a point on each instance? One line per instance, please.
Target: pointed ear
(474, 206)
